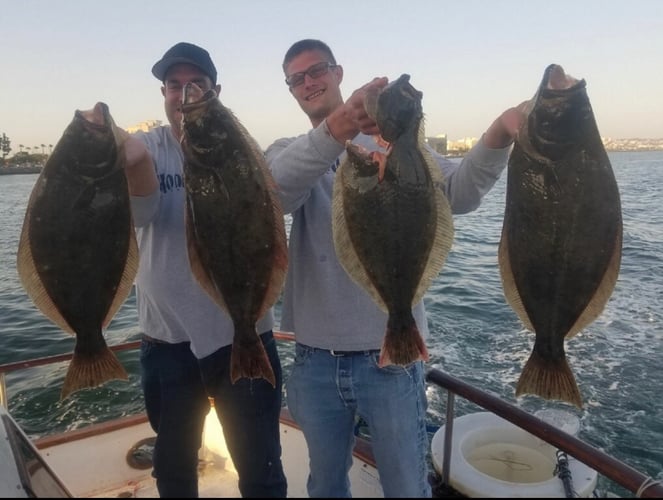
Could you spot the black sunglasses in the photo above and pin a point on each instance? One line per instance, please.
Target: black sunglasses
(315, 71)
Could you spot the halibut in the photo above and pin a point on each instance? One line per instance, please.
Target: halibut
(392, 223)
(561, 242)
(234, 223)
(77, 255)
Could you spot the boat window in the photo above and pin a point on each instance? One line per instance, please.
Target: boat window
(37, 478)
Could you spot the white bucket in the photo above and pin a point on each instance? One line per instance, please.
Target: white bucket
(561, 419)
(491, 457)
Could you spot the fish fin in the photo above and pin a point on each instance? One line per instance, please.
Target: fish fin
(280, 250)
(402, 346)
(86, 371)
(345, 250)
(277, 278)
(127, 280)
(603, 291)
(444, 230)
(509, 283)
(131, 264)
(549, 380)
(197, 267)
(32, 283)
(249, 360)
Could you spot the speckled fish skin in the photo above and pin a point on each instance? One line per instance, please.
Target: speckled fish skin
(392, 235)
(235, 227)
(560, 249)
(77, 255)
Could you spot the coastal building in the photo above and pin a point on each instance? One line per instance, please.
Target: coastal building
(145, 126)
(438, 143)
(444, 146)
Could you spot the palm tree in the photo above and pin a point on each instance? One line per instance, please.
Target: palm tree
(21, 146)
(42, 148)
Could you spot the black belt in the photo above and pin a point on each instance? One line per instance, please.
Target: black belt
(341, 354)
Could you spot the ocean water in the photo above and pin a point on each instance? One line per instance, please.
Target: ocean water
(475, 336)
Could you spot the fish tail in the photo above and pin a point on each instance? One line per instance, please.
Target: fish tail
(549, 379)
(249, 359)
(91, 370)
(402, 346)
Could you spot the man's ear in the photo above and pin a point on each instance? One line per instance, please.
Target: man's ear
(339, 73)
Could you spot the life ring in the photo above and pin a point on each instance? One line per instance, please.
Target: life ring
(491, 457)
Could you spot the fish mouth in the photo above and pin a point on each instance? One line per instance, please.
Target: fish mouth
(97, 117)
(547, 132)
(557, 83)
(193, 96)
(556, 78)
(395, 108)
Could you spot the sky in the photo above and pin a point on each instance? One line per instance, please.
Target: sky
(472, 59)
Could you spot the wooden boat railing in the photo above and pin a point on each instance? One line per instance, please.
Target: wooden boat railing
(642, 485)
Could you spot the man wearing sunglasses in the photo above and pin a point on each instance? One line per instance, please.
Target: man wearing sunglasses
(339, 329)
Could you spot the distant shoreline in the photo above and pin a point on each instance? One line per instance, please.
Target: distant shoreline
(20, 170)
(36, 169)
(461, 154)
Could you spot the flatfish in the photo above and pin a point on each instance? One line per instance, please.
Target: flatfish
(234, 222)
(77, 255)
(561, 243)
(392, 223)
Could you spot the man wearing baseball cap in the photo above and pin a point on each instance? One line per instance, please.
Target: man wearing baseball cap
(187, 339)
(188, 53)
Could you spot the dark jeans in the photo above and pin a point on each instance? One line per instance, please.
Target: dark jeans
(176, 404)
(249, 414)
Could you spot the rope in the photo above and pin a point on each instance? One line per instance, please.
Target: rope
(562, 470)
(646, 484)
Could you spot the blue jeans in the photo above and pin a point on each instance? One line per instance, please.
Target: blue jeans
(249, 413)
(176, 405)
(326, 394)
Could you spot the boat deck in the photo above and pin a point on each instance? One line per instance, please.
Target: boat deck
(108, 473)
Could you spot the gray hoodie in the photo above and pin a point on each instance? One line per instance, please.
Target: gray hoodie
(321, 303)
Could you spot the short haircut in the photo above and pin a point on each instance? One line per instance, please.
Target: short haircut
(305, 46)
